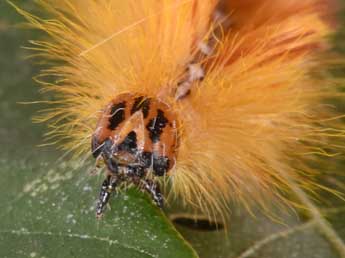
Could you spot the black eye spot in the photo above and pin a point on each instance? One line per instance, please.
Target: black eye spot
(140, 103)
(129, 144)
(156, 125)
(117, 114)
(200, 224)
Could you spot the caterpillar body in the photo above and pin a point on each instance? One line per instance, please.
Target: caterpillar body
(215, 97)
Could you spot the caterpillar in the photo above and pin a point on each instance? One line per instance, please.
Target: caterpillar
(214, 98)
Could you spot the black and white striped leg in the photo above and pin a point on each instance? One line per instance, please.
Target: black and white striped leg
(108, 186)
(153, 189)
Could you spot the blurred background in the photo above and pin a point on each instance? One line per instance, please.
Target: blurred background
(47, 204)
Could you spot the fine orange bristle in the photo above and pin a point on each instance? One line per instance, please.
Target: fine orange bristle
(258, 114)
(247, 130)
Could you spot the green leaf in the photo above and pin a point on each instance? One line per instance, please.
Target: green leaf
(261, 237)
(49, 211)
(47, 206)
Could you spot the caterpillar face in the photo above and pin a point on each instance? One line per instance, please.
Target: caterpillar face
(135, 131)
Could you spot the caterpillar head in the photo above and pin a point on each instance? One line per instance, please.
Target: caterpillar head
(136, 131)
(134, 135)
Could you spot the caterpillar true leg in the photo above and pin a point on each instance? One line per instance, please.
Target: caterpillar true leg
(109, 185)
(153, 189)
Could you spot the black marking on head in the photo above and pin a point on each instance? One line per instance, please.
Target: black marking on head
(160, 165)
(143, 104)
(95, 147)
(156, 125)
(137, 104)
(129, 144)
(117, 114)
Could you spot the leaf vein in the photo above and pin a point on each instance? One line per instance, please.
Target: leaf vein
(79, 236)
(271, 238)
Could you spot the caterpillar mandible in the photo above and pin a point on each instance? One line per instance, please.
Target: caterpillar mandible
(215, 97)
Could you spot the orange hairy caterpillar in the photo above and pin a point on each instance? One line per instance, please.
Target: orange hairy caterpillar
(216, 96)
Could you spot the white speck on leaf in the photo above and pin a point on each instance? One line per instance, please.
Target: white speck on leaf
(87, 188)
